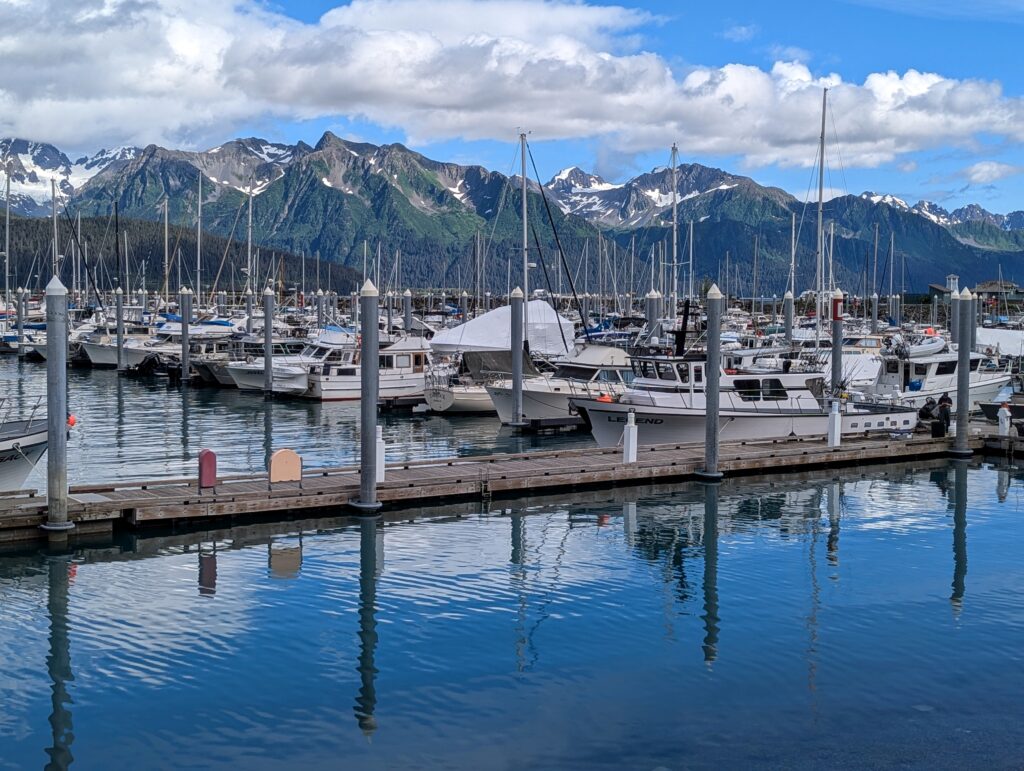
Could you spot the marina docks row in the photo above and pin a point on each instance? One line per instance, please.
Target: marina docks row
(134, 505)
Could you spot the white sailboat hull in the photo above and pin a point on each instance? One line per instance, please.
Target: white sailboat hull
(19, 456)
(459, 399)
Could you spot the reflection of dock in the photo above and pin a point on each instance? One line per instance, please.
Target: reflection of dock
(139, 503)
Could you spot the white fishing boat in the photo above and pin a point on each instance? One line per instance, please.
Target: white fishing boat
(913, 381)
(403, 367)
(668, 402)
(596, 370)
(22, 444)
(290, 373)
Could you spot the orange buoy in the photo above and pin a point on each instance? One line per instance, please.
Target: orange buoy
(71, 421)
(604, 398)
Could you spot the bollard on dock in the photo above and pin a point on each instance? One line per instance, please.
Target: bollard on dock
(874, 313)
(369, 355)
(712, 385)
(320, 308)
(954, 317)
(963, 378)
(57, 409)
(629, 439)
(516, 301)
(268, 341)
(407, 311)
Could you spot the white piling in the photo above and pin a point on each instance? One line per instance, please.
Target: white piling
(712, 384)
(629, 439)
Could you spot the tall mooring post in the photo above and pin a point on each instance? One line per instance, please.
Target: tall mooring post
(517, 357)
(268, 342)
(712, 384)
(320, 307)
(874, 312)
(333, 317)
(464, 306)
(369, 357)
(837, 340)
(57, 410)
(954, 317)
(355, 309)
(407, 311)
(185, 309)
(975, 320)
(387, 306)
(935, 310)
(248, 310)
(21, 321)
(787, 312)
(119, 310)
(961, 448)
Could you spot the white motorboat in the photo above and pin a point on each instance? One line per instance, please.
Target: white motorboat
(914, 381)
(22, 444)
(403, 367)
(594, 371)
(290, 373)
(668, 401)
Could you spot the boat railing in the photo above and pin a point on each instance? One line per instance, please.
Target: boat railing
(12, 412)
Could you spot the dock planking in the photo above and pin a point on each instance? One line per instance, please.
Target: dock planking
(142, 502)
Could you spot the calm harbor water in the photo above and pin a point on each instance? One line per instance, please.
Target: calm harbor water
(143, 429)
(811, 621)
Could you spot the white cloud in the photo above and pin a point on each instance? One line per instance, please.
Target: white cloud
(987, 172)
(789, 53)
(740, 33)
(87, 72)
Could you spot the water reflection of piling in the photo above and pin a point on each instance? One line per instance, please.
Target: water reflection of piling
(268, 433)
(58, 665)
(629, 521)
(710, 616)
(833, 524)
(208, 571)
(959, 534)
(371, 560)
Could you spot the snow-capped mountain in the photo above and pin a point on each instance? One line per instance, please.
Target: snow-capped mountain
(35, 166)
(647, 198)
(949, 219)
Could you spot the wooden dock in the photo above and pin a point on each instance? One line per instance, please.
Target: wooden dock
(135, 504)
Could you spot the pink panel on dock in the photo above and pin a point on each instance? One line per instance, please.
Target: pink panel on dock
(207, 469)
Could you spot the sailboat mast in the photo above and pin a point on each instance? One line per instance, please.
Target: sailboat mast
(689, 284)
(199, 242)
(248, 248)
(167, 254)
(7, 245)
(673, 299)
(792, 254)
(526, 249)
(53, 193)
(874, 276)
(820, 259)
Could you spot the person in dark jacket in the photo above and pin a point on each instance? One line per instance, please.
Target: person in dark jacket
(945, 409)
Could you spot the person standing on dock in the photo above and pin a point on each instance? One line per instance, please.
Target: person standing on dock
(945, 409)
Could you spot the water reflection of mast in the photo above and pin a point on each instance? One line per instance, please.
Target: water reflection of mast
(371, 562)
(184, 424)
(268, 432)
(833, 525)
(58, 665)
(711, 619)
(959, 534)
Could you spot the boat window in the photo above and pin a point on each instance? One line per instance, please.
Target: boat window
(571, 372)
(892, 367)
(772, 389)
(921, 369)
(975, 364)
(403, 361)
(627, 376)
(749, 390)
(665, 370)
(946, 368)
(698, 374)
(607, 376)
(684, 372)
(385, 362)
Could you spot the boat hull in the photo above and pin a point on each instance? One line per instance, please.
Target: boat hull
(18, 457)
(667, 425)
(459, 400)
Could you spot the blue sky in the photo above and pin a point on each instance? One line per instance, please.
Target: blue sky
(853, 39)
(926, 100)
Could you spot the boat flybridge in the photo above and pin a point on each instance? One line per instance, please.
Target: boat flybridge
(669, 404)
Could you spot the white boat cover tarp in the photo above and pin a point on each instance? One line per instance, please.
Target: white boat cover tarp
(493, 332)
(1009, 342)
